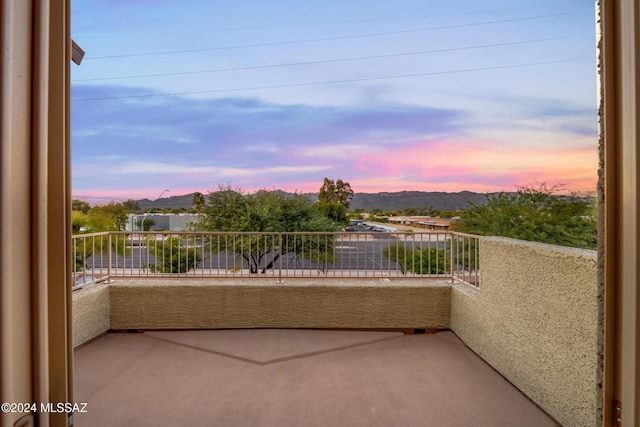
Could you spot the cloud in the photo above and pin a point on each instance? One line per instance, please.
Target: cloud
(165, 168)
(173, 140)
(262, 148)
(481, 164)
(177, 142)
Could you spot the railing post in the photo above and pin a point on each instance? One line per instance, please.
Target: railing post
(280, 258)
(452, 236)
(476, 264)
(109, 257)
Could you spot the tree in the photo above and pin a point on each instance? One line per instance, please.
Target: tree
(536, 214)
(336, 192)
(355, 215)
(230, 209)
(109, 217)
(226, 210)
(148, 223)
(197, 201)
(273, 213)
(78, 221)
(80, 206)
(99, 220)
(334, 211)
(131, 206)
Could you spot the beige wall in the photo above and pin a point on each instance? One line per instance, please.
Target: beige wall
(91, 313)
(535, 321)
(184, 304)
(299, 304)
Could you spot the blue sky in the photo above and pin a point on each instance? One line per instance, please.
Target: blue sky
(390, 96)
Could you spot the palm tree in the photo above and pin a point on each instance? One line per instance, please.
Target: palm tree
(197, 201)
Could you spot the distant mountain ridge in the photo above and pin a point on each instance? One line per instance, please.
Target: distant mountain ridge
(406, 199)
(366, 201)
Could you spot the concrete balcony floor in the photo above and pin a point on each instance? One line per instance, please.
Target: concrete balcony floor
(283, 377)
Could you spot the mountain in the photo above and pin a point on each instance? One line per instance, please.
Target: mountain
(406, 199)
(178, 202)
(366, 201)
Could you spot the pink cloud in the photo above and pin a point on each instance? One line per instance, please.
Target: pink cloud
(476, 166)
(443, 165)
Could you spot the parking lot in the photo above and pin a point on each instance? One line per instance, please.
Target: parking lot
(363, 250)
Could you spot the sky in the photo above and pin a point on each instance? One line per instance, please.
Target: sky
(390, 96)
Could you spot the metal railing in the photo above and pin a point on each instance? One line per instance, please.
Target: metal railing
(89, 264)
(465, 254)
(443, 255)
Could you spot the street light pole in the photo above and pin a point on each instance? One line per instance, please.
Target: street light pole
(151, 208)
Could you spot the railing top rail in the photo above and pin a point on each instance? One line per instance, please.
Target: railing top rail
(100, 233)
(270, 233)
(456, 233)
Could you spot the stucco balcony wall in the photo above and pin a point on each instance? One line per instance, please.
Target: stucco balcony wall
(534, 320)
(215, 304)
(91, 312)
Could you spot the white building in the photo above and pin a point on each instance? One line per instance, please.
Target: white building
(170, 222)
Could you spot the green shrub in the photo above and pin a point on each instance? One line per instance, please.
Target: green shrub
(172, 257)
(418, 260)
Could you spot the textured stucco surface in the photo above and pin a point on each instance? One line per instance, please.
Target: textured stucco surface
(199, 304)
(535, 321)
(91, 312)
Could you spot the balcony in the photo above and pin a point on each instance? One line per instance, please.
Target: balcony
(329, 347)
